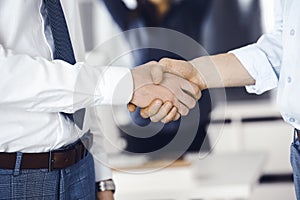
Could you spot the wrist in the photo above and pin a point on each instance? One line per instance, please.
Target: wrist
(106, 195)
(198, 78)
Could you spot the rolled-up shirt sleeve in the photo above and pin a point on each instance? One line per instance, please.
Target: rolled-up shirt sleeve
(259, 67)
(263, 59)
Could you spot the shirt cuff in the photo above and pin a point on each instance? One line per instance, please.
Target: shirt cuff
(116, 86)
(102, 171)
(259, 67)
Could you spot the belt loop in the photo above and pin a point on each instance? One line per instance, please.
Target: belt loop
(85, 151)
(77, 153)
(51, 162)
(18, 163)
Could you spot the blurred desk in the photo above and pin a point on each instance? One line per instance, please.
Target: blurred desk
(227, 176)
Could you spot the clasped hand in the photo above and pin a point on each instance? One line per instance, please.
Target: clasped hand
(165, 90)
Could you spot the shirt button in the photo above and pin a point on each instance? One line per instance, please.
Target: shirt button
(292, 119)
(289, 79)
(292, 32)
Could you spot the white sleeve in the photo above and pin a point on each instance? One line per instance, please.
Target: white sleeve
(102, 169)
(36, 84)
(263, 59)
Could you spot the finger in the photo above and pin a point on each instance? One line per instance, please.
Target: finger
(186, 99)
(183, 110)
(177, 116)
(171, 116)
(131, 107)
(192, 90)
(199, 95)
(177, 67)
(152, 109)
(163, 112)
(157, 73)
(183, 69)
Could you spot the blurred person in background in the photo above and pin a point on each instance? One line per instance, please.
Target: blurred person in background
(219, 26)
(184, 16)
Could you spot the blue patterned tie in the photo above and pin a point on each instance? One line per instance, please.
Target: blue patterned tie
(63, 49)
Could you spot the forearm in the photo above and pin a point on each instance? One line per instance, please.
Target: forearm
(222, 70)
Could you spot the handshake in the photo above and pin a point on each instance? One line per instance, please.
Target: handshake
(165, 90)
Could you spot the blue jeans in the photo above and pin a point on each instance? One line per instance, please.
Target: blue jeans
(76, 182)
(295, 162)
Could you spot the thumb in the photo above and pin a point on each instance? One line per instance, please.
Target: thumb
(157, 74)
(183, 69)
(131, 107)
(165, 65)
(177, 67)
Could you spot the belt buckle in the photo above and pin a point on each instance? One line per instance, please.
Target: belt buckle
(51, 162)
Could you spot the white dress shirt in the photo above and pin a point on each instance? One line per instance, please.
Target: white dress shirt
(274, 61)
(34, 89)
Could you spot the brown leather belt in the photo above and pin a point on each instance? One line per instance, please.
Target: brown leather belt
(58, 159)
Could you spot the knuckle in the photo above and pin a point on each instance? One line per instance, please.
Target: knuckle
(168, 118)
(152, 62)
(192, 104)
(165, 61)
(152, 112)
(184, 111)
(154, 119)
(194, 90)
(165, 120)
(144, 114)
(177, 116)
(165, 110)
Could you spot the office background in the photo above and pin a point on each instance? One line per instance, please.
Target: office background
(253, 128)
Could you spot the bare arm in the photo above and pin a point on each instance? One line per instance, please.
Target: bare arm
(222, 70)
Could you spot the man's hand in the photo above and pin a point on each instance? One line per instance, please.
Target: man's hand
(223, 70)
(160, 74)
(180, 68)
(142, 75)
(105, 195)
(186, 92)
(145, 95)
(157, 112)
(184, 95)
